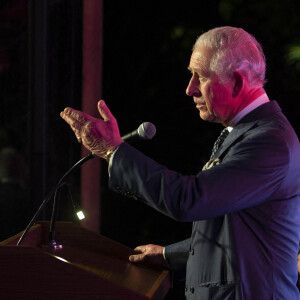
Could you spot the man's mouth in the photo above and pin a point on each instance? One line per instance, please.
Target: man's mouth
(200, 105)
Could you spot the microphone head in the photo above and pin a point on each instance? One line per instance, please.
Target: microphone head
(146, 130)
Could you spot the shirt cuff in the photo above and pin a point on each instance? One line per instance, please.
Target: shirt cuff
(111, 160)
(164, 253)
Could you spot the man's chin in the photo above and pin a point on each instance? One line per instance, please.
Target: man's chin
(208, 117)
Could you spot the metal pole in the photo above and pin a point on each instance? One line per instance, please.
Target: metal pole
(91, 94)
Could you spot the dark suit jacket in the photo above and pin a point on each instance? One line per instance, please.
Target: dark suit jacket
(245, 210)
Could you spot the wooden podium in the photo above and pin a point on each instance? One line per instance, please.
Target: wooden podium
(89, 266)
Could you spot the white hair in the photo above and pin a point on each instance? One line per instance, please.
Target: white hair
(234, 50)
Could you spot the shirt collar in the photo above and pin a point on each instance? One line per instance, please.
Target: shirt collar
(254, 104)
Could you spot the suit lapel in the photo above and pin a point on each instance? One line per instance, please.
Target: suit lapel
(233, 136)
(248, 122)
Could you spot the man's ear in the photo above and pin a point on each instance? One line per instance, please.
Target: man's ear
(238, 84)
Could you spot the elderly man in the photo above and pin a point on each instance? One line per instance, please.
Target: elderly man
(245, 201)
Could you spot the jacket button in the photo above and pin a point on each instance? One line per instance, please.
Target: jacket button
(192, 290)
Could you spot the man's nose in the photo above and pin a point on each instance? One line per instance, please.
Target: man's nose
(192, 89)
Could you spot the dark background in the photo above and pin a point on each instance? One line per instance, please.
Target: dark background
(146, 51)
(146, 54)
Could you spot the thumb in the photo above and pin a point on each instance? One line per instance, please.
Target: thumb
(104, 111)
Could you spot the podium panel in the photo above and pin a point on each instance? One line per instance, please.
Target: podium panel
(88, 266)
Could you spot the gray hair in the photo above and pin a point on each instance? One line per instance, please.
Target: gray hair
(234, 50)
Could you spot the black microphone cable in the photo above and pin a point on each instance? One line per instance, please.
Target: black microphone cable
(54, 191)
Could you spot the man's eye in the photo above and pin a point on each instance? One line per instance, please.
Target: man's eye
(202, 79)
(196, 75)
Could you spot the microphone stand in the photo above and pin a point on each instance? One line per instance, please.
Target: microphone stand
(55, 201)
(42, 206)
(47, 199)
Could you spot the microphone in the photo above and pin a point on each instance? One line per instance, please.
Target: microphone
(145, 131)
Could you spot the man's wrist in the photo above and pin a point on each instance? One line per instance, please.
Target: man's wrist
(109, 153)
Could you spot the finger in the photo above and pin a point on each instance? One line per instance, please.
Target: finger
(76, 114)
(74, 124)
(136, 258)
(104, 111)
(140, 249)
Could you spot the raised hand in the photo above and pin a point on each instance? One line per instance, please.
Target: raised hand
(100, 136)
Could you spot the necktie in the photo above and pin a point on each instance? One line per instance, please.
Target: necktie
(223, 135)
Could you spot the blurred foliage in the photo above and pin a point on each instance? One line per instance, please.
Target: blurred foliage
(293, 56)
(227, 8)
(276, 25)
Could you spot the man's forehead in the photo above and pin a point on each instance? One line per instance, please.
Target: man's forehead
(200, 58)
